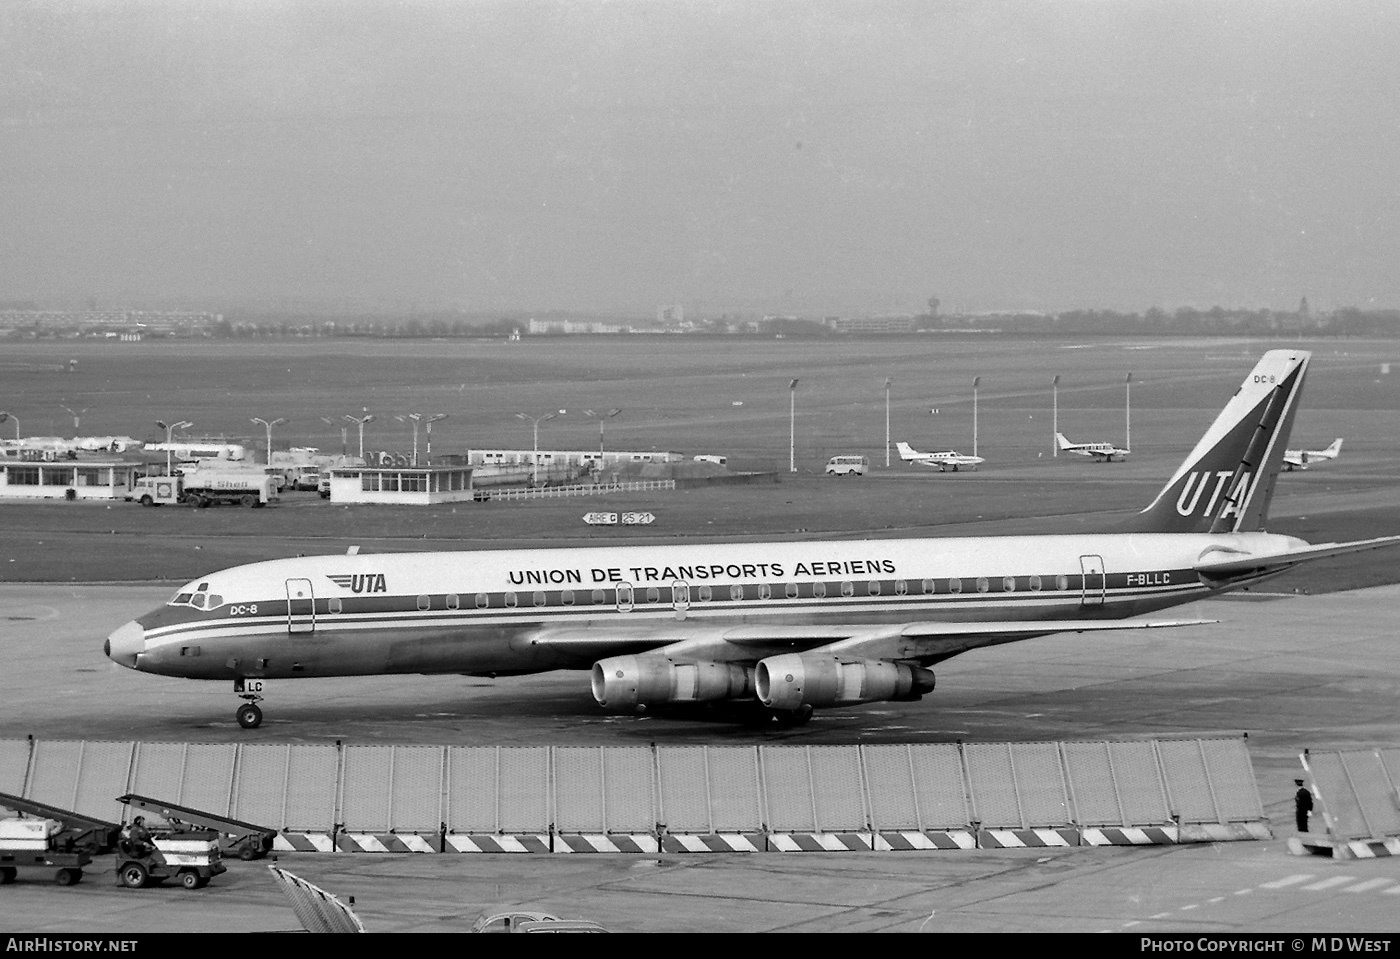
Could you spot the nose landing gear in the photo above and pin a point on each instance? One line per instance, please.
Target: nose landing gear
(249, 715)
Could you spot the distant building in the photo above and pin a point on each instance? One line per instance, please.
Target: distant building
(670, 315)
(873, 324)
(610, 459)
(97, 478)
(401, 485)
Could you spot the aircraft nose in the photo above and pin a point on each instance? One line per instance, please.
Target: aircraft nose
(125, 644)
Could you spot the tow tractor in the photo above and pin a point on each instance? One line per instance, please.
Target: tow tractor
(51, 839)
(191, 856)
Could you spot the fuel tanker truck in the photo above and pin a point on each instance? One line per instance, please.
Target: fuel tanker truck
(206, 486)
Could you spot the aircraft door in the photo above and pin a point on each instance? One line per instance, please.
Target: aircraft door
(301, 606)
(1094, 580)
(680, 597)
(624, 597)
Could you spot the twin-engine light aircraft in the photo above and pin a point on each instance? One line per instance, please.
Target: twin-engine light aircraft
(1101, 452)
(1299, 459)
(791, 626)
(943, 459)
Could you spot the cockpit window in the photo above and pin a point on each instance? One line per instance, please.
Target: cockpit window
(200, 598)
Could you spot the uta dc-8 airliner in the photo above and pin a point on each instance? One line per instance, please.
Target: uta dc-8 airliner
(787, 627)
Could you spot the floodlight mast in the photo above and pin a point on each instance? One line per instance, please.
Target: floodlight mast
(361, 420)
(535, 457)
(792, 426)
(170, 429)
(601, 418)
(268, 425)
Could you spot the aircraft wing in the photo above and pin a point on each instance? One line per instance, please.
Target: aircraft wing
(1235, 567)
(926, 641)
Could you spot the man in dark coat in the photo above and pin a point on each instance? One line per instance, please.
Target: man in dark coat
(1302, 805)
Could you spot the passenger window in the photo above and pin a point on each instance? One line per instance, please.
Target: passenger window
(1008, 584)
(1035, 583)
(538, 597)
(425, 602)
(848, 589)
(653, 594)
(705, 593)
(901, 588)
(599, 597)
(790, 591)
(736, 592)
(1062, 581)
(482, 600)
(765, 591)
(334, 605)
(510, 600)
(819, 590)
(928, 586)
(955, 585)
(873, 587)
(567, 597)
(982, 584)
(453, 601)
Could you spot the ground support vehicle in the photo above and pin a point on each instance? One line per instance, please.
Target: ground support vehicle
(47, 838)
(206, 487)
(192, 857)
(245, 840)
(847, 465)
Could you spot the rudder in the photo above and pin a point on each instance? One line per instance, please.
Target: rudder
(1227, 481)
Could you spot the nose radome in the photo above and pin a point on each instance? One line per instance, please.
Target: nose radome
(125, 643)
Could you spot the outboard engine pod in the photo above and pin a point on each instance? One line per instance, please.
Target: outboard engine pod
(794, 680)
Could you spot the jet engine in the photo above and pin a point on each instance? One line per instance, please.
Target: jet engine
(794, 680)
(632, 683)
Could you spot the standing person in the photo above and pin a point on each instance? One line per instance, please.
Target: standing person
(1302, 805)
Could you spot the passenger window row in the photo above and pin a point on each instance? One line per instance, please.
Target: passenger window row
(705, 593)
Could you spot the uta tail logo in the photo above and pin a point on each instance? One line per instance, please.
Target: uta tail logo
(361, 582)
(1189, 503)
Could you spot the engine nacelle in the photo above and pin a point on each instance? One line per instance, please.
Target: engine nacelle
(632, 683)
(794, 680)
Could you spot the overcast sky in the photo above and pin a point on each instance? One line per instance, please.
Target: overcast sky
(830, 156)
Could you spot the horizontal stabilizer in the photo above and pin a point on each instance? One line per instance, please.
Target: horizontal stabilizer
(1233, 566)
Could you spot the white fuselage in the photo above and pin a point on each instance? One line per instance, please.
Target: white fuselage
(517, 611)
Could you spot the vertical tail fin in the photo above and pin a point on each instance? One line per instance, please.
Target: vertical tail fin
(1335, 448)
(1227, 481)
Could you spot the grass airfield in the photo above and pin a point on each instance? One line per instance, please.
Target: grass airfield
(698, 395)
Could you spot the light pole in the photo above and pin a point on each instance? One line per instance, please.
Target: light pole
(792, 427)
(535, 458)
(344, 430)
(362, 420)
(415, 417)
(11, 416)
(268, 426)
(428, 426)
(1128, 411)
(601, 418)
(975, 381)
(170, 429)
(77, 417)
(1055, 417)
(888, 381)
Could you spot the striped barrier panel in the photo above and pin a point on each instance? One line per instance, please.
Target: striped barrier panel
(915, 840)
(713, 842)
(593, 842)
(1027, 838)
(819, 842)
(1345, 849)
(1129, 836)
